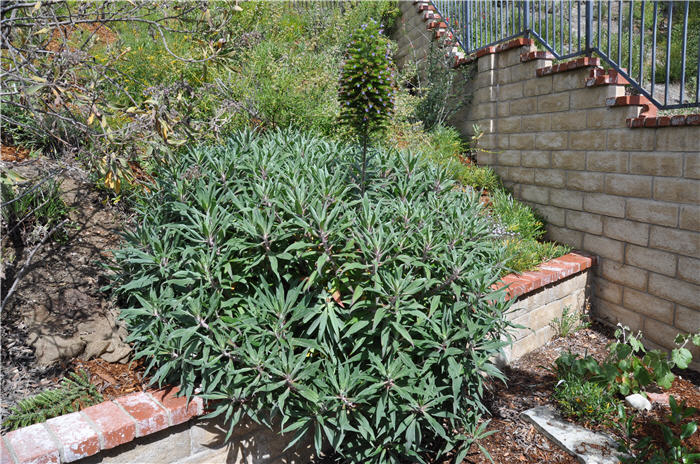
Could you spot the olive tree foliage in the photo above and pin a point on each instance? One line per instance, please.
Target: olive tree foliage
(60, 98)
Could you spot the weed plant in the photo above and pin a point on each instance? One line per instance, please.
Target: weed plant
(585, 401)
(260, 275)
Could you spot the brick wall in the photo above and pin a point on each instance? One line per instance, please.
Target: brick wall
(610, 177)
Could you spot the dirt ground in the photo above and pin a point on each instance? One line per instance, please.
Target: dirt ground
(58, 313)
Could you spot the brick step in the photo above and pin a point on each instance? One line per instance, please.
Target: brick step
(568, 66)
(538, 55)
(600, 77)
(648, 108)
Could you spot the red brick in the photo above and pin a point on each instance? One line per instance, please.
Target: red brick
(663, 121)
(114, 424)
(33, 445)
(77, 437)
(179, 409)
(149, 416)
(650, 122)
(692, 120)
(485, 51)
(516, 286)
(536, 279)
(559, 270)
(425, 7)
(4, 453)
(678, 120)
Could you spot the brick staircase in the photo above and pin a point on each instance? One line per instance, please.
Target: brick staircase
(644, 114)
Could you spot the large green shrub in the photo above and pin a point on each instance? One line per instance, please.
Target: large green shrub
(260, 274)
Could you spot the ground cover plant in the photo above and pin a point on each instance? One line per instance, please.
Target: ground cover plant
(260, 274)
(590, 391)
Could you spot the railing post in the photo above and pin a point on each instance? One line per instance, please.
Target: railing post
(589, 27)
(526, 18)
(467, 26)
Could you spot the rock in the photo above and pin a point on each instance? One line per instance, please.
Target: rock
(661, 398)
(638, 402)
(587, 446)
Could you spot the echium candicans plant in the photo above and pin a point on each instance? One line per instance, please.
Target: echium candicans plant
(367, 89)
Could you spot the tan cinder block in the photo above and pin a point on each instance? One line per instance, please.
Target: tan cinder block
(535, 159)
(641, 302)
(687, 319)
(534, 193)
(551, 178)
(628, 276)
(678, 138)
(483, 80)
(607, 161)
(164, 447)
(585, 181)
(676, 290)
(510, 91)
(508, 125)
(485, 95)
(504, 76)
(536, 122)
(628, 186)
(573, 238)
(656, 164)
(607, 205)
(483, 110)
(503, 109)
(604, 247)
(660, 333)
(652, 260)
(689, 269)
(587, 140)
(569, 120)
(690, 217)
(677, 190)
(615, 313)
(508, 158)
(627, 231)
(679, 241)
(569, 286)
(566, 198)
(537, 86)
(522, 175)
(552, 140)
(610, 117)
(486, 157)
(486, 63)
(626, 139)
(572, 160)
(552, 103)
(692, 166)
(653, 212)
(608, 291)
(591, 223)
(553, 215)
(522, 141)
(523, 105)
(570, 80)
(594, 97)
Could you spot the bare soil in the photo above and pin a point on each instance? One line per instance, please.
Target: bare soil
(58, 313)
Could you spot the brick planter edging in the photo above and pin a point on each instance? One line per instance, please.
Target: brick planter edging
(101, 427)
(109, 424)
(547, 273)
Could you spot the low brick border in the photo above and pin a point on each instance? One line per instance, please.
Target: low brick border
(547, 273)
(109, 424)
(101, 427)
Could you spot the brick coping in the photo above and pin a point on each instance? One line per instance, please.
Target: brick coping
(112, 423)
(547, 273)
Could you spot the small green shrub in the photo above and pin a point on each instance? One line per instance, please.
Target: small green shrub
(673, 451)
(569, 322)
(74, 392)
(261, 275)
(585, 401)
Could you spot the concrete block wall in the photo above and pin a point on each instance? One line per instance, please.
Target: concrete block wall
(627, 192)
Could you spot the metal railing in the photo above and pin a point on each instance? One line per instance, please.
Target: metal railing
(653, 44)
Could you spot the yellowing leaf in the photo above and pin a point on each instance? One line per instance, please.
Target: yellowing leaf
(91, 118)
